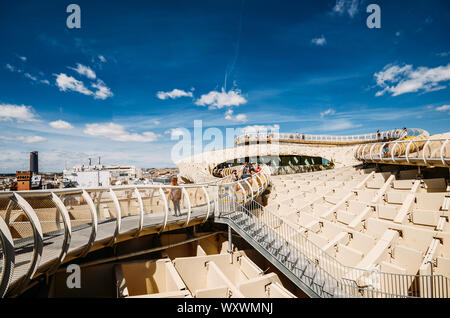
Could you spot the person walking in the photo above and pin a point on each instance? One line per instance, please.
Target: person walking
(175, 196)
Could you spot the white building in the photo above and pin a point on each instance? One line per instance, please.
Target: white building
(100, 175)
(88, 179)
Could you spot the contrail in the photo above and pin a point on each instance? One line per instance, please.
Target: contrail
(236, 50)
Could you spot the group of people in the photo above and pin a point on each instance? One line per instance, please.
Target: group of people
(248, 170)
(395, 134)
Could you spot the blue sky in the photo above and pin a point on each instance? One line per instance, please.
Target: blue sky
(138, 71)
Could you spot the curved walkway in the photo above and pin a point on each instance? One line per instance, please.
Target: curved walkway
(40, 230)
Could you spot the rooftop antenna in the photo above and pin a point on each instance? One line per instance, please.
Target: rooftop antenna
(90, 162)
(99, 160)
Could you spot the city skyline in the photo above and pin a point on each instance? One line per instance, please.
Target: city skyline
(122, 85)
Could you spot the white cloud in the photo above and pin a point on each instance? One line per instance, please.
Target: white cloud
(31, 77)
(25, 139)
(319, 41)
(338, 124)
(346, 6)
(60, 124)
(260, 128)
(401, 80)
(11, 68)
(20, 113)
(117, 132)
(84, 70)
(156, 122)
(175, 93)
(443, 54)
(242, 118)
(327, 112)
(14, 69)
(443, 108)
(177, 132)
(65, 83)
(215, 99)
(397, 33)
(23, 58)
(103, 91)
(102, 58)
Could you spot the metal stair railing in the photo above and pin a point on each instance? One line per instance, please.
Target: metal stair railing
(337, 279)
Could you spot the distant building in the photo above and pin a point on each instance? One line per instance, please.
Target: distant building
(34, 162)
(88, 179)
(100, 175)
(23, 180)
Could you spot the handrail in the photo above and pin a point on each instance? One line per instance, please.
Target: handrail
(415, 151)
(99, 213)
(329, 139)
(358, 282)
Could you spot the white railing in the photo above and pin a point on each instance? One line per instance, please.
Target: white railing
(61, 216)
(328, 139)
(337, 279)
(414, 151)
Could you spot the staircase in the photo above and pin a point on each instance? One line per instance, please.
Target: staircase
(281, 254)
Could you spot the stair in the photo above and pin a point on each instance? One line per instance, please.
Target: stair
(281, 250)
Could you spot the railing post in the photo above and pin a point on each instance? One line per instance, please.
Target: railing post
(141, 211)
(7, 244)
(230, 244)
(67, 230)
(94, 226)
(118, 216)
(38, 239)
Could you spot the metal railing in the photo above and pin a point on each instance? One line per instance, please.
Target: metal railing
(328, 139)
(38, 229)
(328, 277)
(414, 151)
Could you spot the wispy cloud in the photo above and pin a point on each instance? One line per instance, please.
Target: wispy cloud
(215, 99)
(338, 124)
(69, 83)
(260, 128)
(103, 91)
(61, 124)
(102, 58)
(84, 70)
(31, 77)
(176, 132)
(329, 111)
(399, 80)
(443, 108)
(443, 54)
(175, 93)
(240, 118)
(12, 68)
(349, 7)
(25, 139)
(20, 113)
(27, 75)
(319, 41)
(66, 83)
(117, 132)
